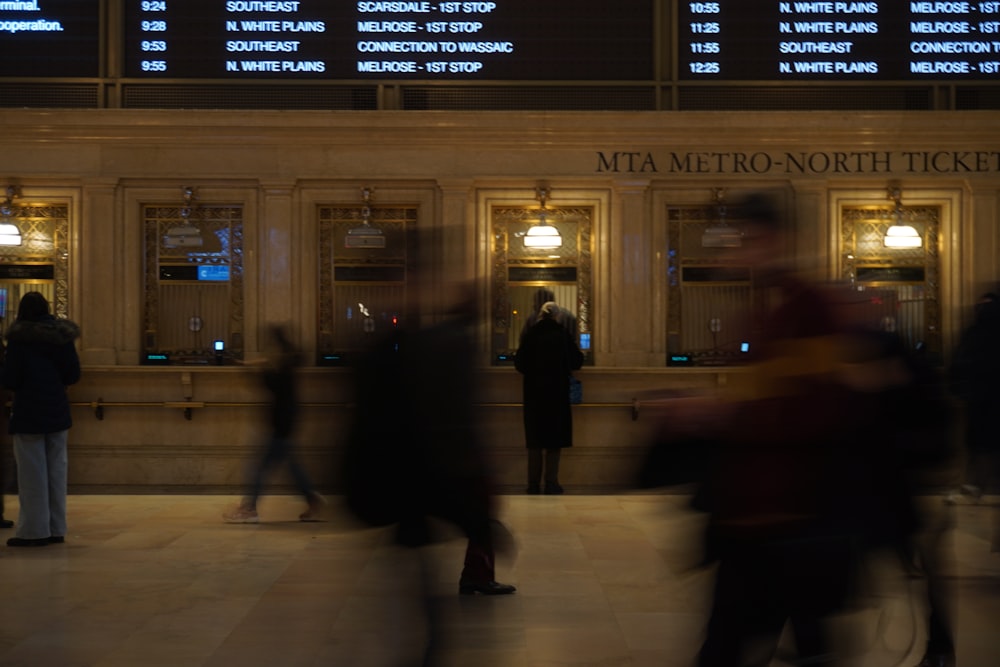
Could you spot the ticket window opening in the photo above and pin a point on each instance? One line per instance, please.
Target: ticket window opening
(11, 292)
(523, 305)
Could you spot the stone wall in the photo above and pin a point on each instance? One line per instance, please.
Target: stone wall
(279, 165)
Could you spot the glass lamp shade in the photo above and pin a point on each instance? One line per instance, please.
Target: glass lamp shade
(184, 236)
(364, 236)
(9, 234)
(722, 236)
(902, 236)
(542, 236)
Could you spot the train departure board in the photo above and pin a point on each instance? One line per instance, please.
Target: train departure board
(343, 39)
(49, 38)
(505, 40)
(815, 41)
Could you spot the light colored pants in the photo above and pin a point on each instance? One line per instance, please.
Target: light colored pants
(42, 463)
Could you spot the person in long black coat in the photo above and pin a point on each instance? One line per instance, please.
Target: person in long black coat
(546, 358)
(975, 379)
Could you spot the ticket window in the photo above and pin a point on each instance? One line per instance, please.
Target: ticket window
(194, 284)
(365, 266)
(523, 266)
(34, 256)
(898, 285)
(524, 295)
(710, 295)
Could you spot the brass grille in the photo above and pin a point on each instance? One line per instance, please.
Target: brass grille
(709, 317)
(183, 318)
(263, 96)
(805, 98)
(970, 98)
(528, 98)
(511, 304)
(370, 278)
(44, 240)
(50, 95)
(915, 314)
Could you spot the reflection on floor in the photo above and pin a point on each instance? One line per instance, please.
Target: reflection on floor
(602, 581)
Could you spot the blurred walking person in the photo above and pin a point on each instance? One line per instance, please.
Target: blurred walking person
(775, 527)
(278, 377)
(8, 449)
(414, 456)
(975, 378)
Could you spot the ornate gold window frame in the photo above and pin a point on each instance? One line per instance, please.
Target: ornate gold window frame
(44, 243)
(905, 282)
(710, 295)
(349, 278)
(188, 336)
(515, 267)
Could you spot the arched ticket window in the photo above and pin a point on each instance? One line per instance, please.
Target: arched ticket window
(35, 258)
(194, 283)
(520, 269)
(710, 295)
(364, 265)
(902, 284)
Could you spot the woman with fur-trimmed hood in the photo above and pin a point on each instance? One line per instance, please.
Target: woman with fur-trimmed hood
(41, 362)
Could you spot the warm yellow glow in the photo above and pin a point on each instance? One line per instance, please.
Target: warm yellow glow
(902, 236)
(542, 236)
(9, 234)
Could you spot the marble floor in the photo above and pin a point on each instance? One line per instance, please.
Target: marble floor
(603, 581)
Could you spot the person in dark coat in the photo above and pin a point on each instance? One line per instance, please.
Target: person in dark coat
(414, 458)
(7, 449)
(278, 378)
(563, 316)
(41, 361)
(415, 454)
(775, 525)
(975, 379)
(546, 357)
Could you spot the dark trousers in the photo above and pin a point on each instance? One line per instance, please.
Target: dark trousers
(279, 449)
(551, 467)
(761, 586)
(480, 561)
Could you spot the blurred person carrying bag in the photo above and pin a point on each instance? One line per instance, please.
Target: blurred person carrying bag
(412, 451)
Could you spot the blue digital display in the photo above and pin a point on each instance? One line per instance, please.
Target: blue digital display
(156, 359)
(838, 41)
(213, 272)
(496, 39)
